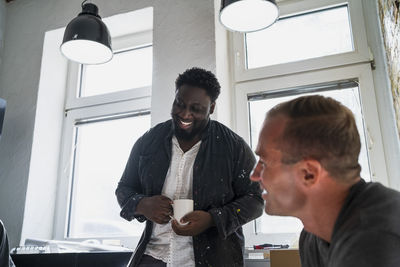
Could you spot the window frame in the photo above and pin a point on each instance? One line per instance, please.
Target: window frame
(355, 65)
(360, 72)
(124, 43)
(132, 101)
(360, 54)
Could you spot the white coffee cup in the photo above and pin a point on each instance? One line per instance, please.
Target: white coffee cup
(181, 208)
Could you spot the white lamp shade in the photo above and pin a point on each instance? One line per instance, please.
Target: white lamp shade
(86, 51)
(248, 15)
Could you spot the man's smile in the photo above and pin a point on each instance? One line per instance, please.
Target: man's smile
(185, 125)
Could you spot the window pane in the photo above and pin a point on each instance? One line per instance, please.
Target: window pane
(127, 70)
(258, 107)
(101, 151)
(311, 35)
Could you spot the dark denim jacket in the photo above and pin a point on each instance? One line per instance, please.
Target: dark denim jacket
(221, 186)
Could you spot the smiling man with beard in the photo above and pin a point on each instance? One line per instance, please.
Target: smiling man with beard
(190, 157)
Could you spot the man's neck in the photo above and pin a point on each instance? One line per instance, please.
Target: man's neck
(324, 208)
(186, 145)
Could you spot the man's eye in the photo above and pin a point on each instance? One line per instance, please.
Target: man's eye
(178, 103)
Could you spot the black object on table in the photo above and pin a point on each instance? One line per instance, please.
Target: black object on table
(80, 259)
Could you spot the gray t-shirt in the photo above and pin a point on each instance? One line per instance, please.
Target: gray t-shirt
(366, 232)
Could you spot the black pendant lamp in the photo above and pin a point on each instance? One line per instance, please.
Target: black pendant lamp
(248, 15)
(86, 38)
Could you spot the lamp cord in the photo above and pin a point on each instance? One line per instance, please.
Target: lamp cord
(83, 3)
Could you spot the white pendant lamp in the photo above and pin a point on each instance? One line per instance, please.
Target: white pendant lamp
(86, 38)
(248, 15)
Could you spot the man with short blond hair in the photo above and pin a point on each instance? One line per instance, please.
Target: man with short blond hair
(308, 149)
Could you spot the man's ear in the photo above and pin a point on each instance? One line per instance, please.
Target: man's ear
(212, 107)
(310, 172)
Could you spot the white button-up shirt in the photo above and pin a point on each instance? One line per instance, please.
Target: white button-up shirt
(164, 244)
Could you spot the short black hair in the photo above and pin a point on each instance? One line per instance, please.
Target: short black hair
(201, 78)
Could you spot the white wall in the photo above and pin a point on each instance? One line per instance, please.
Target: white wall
(183, 37)
(224, 109)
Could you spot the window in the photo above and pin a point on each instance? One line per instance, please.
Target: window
(309, 35)
(346, 93)
(301, 36)
(316, 47)
(122, 73)
(101, 143)
(101, 149)
(106, 111)
(259, 104)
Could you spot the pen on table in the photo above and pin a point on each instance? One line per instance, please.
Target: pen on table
(269, 246)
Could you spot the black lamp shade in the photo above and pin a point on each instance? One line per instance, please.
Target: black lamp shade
(86, 38)
(248, 15)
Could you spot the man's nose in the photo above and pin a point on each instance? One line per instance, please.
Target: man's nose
(185, 113)
(255, 174)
